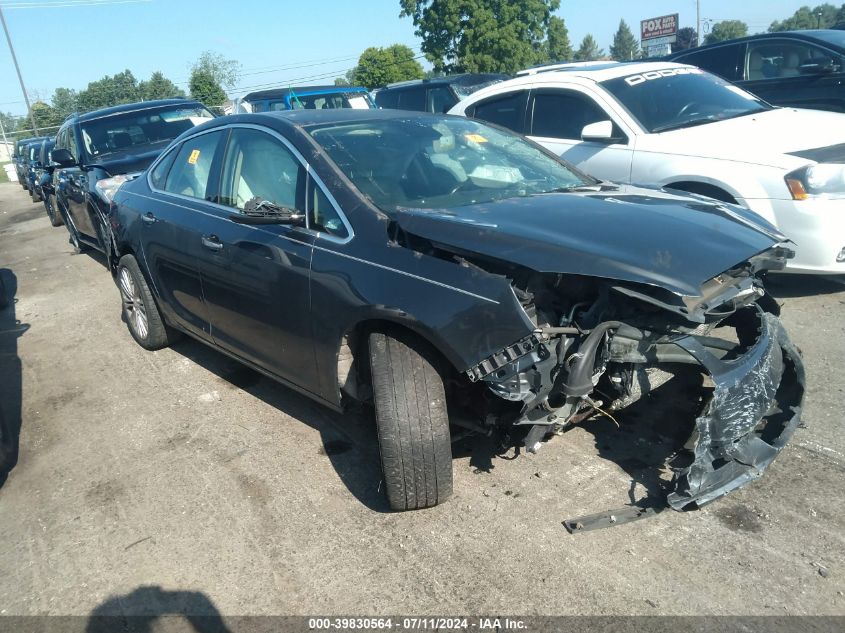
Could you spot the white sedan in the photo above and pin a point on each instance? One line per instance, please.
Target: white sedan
(676, 126)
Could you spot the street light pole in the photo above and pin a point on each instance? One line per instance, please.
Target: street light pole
(20, 78)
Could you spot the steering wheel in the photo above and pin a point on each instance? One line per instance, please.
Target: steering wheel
(685, 109)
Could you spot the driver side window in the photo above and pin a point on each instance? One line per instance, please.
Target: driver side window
(257, 165)
(563, 114)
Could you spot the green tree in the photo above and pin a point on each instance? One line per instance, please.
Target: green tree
(205, 89)
(589, 50)
(687, 38)
(821, 17)
(45, 117)
(625, 46)
(64, 101)
(481, 35)
(558, 46)
(341, 81)
(224, 72)
(380, 66)
(109, 91)
(726, 30)
(158, 87)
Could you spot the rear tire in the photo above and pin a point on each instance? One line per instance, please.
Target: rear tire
(413, 423)
(140, 311)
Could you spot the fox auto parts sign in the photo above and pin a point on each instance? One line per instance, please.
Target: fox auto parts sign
(665, 26)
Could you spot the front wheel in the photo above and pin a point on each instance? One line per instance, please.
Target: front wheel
(52, 213)
(140, 311)
(413, 423)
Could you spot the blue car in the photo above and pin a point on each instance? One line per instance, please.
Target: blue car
(305, 98)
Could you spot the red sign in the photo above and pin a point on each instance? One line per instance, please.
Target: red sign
(663, 26)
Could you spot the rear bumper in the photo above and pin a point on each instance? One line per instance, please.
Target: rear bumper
(753, 412)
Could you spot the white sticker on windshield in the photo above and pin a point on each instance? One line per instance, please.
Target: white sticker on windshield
(358, 103)
(635, 80)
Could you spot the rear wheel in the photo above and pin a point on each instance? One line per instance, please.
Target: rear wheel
(34, 195)
(140, 312)
(413, 423)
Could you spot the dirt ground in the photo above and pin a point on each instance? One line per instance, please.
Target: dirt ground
(180, 477)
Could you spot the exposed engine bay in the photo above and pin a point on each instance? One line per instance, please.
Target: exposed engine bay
(600, 345)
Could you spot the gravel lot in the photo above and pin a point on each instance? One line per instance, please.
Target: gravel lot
(142, 474)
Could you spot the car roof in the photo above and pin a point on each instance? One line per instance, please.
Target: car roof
(821, 36)
(300, 90)
(132, 107)
(462, 79)
(595, 72)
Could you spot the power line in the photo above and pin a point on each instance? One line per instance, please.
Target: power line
(62, 4)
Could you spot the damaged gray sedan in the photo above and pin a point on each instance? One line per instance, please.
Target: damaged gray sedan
(457, 276)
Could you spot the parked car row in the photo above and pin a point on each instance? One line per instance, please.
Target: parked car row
(447, 271)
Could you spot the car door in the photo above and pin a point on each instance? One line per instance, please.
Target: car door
(76, 187)
(794, 72)
(255, 278)
(184, 183)
(556, 118)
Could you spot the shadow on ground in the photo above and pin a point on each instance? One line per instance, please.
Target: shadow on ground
(10, 369)
(791, 286)
(349, 439)
(151, 608)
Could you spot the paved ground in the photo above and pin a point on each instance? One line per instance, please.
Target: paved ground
(176, 477)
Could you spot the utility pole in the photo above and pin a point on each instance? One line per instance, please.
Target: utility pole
(5, 142)
(698, 22)
(20, 78)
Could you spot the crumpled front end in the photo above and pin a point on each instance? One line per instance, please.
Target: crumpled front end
(753, 411)
(601, 346)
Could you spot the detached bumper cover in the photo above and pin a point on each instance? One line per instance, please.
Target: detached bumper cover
(755, 408)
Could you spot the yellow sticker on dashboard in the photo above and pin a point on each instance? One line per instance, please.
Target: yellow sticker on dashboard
(194, 157)
(475, 138)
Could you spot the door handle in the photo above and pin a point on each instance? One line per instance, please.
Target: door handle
(212, 242)
(148, 218)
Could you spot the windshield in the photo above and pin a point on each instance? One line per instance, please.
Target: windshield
(428, 162)
(463, 90)
(139, 131)
(320, 101)
(675, 98)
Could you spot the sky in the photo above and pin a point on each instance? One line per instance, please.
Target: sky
(67, 43)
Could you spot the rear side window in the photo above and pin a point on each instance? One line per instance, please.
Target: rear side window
(725, 61)
(440, 100)
(190, 174)
(773, 59)
(507, 111)
(563, 114)
(387, 99)
(159, 172)
(412, 99)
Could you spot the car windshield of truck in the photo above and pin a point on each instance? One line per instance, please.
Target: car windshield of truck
(140, 130)
(675, 98)
(440, 163)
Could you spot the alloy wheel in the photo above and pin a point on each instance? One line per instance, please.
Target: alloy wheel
(133, 304)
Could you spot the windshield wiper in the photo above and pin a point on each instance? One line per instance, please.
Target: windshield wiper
(677, 126)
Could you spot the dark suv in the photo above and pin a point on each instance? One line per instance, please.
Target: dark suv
(802, 69)
(95, 151)
(21, 158)
(305, 98)
(433, 95)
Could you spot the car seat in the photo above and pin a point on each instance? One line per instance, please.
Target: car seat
(755, 66)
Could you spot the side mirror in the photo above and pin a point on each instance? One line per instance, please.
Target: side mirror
(599, 132)
(63, 158)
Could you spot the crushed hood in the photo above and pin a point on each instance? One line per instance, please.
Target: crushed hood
(628, 234)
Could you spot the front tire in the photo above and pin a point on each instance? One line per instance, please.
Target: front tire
(140, 311)
(413, 423)
(52, 213)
